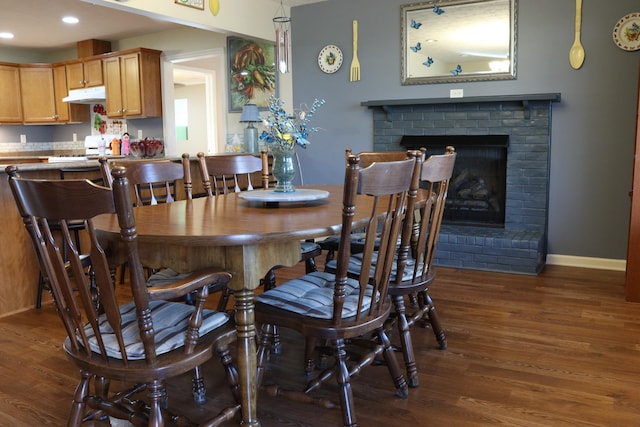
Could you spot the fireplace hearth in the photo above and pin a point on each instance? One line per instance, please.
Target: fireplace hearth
(497, 216)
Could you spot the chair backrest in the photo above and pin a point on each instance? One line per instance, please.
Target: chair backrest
(422, 227)
(152, 181)
(226, 173)
(369, 157)
(78, 304)
(387, 183)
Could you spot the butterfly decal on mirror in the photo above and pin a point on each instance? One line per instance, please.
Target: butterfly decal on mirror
(428, 62)
(437, 10)
(415, 24)
(457, 70)
(416, 48)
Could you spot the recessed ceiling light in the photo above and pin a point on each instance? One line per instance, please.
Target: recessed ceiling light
(70, 20)
(6, 35)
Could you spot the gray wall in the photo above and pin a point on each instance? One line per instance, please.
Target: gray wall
(593, 126)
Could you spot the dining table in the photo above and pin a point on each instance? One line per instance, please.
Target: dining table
(243, 234)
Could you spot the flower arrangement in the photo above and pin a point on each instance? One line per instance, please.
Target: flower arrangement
(285, 130)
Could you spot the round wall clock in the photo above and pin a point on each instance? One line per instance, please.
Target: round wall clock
(330, 59)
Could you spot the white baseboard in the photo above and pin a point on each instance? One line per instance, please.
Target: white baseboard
(587, 262)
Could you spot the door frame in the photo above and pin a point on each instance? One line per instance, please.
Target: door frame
(215, 88)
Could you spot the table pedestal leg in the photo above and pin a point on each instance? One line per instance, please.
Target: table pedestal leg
(247, 355)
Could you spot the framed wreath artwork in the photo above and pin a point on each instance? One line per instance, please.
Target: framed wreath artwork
(252, 72)
(198, 4)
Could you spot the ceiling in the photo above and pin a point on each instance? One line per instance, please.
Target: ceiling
(37, 24)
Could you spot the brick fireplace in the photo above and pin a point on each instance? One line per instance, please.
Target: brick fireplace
(519, 244)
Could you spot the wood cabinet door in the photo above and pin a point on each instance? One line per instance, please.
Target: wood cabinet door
(112, 83)
(75, 75)
(38, 97)
(10, 103)
(632, 292)
(67, 112)
(130, 81)
(60, 91)
(93, 73)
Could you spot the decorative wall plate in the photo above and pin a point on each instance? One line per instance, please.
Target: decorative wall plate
(626, 32)
(330, 59)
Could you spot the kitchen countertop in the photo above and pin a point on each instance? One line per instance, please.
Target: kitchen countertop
(39, 163)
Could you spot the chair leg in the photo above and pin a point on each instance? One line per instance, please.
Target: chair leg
(405, 341)
(197, 386)
(269, 282)
(230, 370)
(264, 349)
(344, 383)
(78, 405)
(158, 401)
(402, 389)
(434, 321)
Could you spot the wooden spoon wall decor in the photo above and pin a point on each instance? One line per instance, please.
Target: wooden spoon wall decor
(576, 53)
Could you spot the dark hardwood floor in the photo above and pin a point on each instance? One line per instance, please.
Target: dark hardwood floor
(559, 349)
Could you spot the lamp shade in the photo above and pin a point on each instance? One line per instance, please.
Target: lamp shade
(250, 114)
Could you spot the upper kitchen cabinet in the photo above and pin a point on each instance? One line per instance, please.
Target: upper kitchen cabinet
(10, 103)
(42, 87)
(84, 73)
(67, 112)
(132, 84)
(38, 97)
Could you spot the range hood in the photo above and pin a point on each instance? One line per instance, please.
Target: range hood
(89, 95)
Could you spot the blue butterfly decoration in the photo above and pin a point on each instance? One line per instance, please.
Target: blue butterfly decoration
(457, 70)
(416, 48)
(428, 62)
(415, 24)
(438, 10)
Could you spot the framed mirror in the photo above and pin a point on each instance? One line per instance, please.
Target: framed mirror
(450, 41)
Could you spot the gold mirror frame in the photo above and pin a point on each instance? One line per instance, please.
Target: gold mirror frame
(451, 41)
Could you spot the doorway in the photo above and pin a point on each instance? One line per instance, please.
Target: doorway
(196, 78)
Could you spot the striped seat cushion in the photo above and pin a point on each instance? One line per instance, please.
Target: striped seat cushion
(311, 295)
(170, 323)
(355, 267)
(307, 247)
(165, 276)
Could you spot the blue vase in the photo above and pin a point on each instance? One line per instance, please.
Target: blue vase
(283, 169)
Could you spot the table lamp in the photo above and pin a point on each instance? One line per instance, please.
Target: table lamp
(250, 115)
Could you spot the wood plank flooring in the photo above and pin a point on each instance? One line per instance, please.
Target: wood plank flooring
(558, 349)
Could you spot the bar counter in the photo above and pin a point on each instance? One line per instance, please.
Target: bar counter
(19, 283)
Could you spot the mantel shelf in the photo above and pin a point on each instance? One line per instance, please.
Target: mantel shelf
(388, 104)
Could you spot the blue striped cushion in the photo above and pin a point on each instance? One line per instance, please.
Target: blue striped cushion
(306, 247)
(355, 267)
(170, 322)
(312, 295)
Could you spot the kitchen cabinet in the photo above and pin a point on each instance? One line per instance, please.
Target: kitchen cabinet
(37, 94)
(67, 112)
(42, 88)
(132, 84)
(10, 103)
(85, 73)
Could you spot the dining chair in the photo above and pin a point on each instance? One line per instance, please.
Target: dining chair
(76, 227)
(136, 340)
(338, 309)
(413, 271)
(152, 181)
(224, 173)
(330, 244)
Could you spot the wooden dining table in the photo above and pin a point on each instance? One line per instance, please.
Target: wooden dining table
(243, 237)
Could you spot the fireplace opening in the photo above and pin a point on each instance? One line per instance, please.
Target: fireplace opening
(477, 192)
